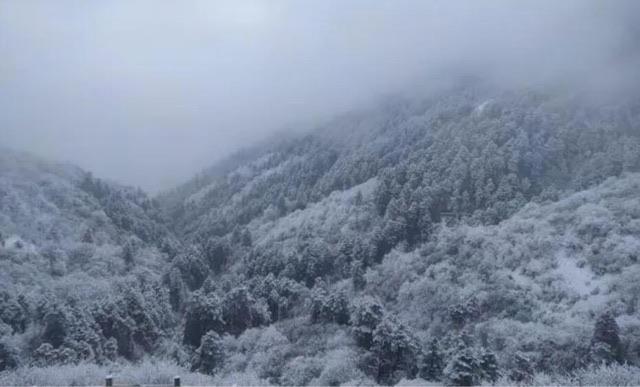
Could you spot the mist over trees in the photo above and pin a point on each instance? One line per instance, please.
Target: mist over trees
(148, 93)
(396, 193)
(474, 237)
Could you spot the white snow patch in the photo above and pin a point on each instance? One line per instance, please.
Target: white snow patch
(244, 171)
(264, 176)
(15, 242)
(325, 215)
(579, 279)
(198, 196)
(480, 108)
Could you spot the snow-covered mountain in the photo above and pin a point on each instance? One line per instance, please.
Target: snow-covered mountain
(500, 220)
(466, 237)
(72, 247)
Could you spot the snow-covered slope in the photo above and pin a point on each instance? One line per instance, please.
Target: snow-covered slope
(491, 228)
(79, 257)
(492, 221)
(43, 201)
(536, 280)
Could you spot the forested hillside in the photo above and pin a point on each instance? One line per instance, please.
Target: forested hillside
(473, 236)
(80, 261)
(403, 216)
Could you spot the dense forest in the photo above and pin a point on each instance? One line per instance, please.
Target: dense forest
(475, 236)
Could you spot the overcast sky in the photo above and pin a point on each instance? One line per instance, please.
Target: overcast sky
(149, 92)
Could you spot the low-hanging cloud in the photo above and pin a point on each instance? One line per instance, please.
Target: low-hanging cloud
(149, 91)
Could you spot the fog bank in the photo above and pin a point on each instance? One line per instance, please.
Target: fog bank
(148, 92)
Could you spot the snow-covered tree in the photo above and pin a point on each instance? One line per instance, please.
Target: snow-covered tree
(521, 369)
(489, 366)
(463, 366)
(366, 314)
(432, 363)
(395, 351)
(605, 343)
(209, 357)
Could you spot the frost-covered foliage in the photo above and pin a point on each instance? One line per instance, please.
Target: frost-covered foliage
(80, 267)
(475, 237)
(599, 375)
(88, 374)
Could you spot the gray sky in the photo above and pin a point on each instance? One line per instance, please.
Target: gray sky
(148, 92)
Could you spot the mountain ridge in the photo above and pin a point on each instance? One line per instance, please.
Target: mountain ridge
(473, 217)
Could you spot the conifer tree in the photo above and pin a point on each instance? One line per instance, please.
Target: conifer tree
(432, 363)
(395, 351)
(9, 358)
(357, 275)
(128, 255)
(210, 355)
(522, 371)
(365, 317)
(489, 366)
(110, 349)
(605, 343)
(462, 368)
